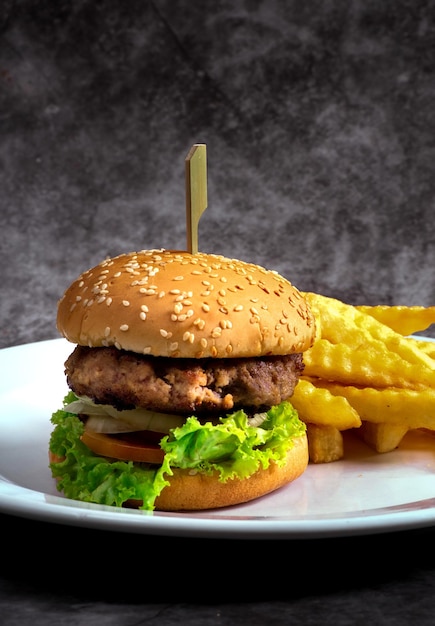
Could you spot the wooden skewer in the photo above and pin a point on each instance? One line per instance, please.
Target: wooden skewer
(196, 192)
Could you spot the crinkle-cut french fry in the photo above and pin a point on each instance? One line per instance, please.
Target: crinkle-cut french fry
(383, 437)
(409, 407)
(428, 347)
(405, 320)
(325, 443)
(370, 365)
(319, 406)
(343, 323)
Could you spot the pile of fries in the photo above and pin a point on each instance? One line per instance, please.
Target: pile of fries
(365, 372)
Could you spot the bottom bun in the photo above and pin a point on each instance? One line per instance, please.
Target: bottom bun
(189, 491)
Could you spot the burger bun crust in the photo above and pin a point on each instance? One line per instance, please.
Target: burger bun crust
(176, 304)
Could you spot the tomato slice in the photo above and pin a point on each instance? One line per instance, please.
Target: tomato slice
(142, 446)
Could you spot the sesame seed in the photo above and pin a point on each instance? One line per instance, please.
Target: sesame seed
(123, 327)
(143, 315)
(205, 307)
(199, 323)
(144, 308)
(178, 278)
(107, 331)
(238, 307)
(109, 301)
(126, 303)
(188, 336)
(166, 334)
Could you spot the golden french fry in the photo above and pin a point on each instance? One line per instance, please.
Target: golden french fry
(382, 437)
(342, 323)
(319, 406)
(363, 356)
(405, 320)
(325, 443)
(428, 347)
(409, 407)
(369, 365)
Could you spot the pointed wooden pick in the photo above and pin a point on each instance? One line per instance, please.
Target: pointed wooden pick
(196, 192)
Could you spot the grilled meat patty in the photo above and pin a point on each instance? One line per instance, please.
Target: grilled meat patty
(202, 386)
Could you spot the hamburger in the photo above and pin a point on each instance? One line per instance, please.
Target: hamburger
(180, 382)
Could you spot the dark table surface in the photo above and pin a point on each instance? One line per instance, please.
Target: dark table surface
(56, 574)
(319, 121)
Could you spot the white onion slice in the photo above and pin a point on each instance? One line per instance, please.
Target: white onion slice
(257, 419)
(135, 419)
(107, 425)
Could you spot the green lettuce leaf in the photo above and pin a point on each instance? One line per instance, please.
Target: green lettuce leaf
(232, 447)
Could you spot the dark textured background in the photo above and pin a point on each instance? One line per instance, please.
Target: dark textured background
(319, 120)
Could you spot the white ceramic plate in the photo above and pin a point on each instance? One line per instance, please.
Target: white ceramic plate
(362, 494)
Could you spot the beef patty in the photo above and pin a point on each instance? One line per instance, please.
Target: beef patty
(202, 386)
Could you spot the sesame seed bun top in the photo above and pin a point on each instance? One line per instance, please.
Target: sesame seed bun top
(176, 304)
